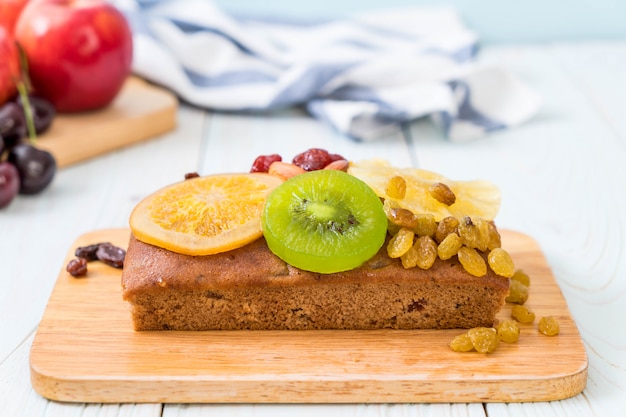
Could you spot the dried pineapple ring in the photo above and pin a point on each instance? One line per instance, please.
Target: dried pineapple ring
(472, 198)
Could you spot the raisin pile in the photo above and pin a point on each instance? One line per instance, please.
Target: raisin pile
(104, 252)
(482, 339)
(418, 240)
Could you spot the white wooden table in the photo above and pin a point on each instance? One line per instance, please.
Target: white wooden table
(562, 176)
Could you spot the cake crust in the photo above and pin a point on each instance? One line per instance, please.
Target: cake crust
(251, 288)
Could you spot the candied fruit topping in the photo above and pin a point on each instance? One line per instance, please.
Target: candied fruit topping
(472, 262)
(549, 326)
(449, 247)
(400, 243)
(425, 225)
(501, 263)
(446, 226)
(426, 250)
(442, 193)
(396, 187)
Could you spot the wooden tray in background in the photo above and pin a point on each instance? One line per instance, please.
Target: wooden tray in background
(140, 111)
(85, 350)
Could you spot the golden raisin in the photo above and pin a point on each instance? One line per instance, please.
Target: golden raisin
(402, 217)
(472, 233)
(462, 343)
(442, 193)
(523, 314)
(426, 250)
(409, 259)
(400, 243)
(495, 241)
(484, 339)
(449, 246)
(426, 225)
(521, 277)
(549, 326)
(446, 226)
(501, 263)
(472, 262)
(508, 331)
(518, 293)
(396, 187)
(392, 228)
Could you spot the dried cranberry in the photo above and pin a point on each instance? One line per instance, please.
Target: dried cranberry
(262, 163)
(336, 157)
(111, 255)
(314, 159)
(190, 175)
(77, 267)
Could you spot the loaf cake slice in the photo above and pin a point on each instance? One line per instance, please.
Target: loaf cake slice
(251, 288)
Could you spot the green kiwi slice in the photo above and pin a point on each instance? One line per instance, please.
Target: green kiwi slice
(324, 221)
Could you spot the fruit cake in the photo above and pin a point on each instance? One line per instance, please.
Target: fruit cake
(326, 249)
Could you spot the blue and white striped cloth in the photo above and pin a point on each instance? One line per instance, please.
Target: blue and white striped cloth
(366, 75)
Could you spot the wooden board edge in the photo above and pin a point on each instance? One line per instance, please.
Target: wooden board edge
(70, 150)
(305, 391)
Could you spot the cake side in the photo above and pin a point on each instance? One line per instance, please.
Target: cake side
(251, 288)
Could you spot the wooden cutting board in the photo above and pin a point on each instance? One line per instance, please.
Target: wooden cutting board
(85, 350)
(140, 111)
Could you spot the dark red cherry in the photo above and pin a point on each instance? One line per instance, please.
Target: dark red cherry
(36, 167)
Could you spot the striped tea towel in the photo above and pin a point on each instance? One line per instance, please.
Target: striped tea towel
(366, 75)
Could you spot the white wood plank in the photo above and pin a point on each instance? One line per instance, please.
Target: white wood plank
(19, 399)
(232, 141)
(560, 176)
(327, 410)
(37, 230)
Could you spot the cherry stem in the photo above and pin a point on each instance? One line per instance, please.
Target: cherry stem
(28, 112)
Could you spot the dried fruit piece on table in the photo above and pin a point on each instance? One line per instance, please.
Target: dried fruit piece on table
(462, 343)
(518, 293)
(204, 215)
(111, 255)
(508, 331)
(77, 267)
(523, 314)
(521, 277)
(484, 339)
(549, 326)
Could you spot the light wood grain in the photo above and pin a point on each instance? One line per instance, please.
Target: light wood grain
(140, 111)
(86, 351)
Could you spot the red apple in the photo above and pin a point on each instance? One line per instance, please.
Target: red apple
(79, 51)
(9, 12)
(9, 66)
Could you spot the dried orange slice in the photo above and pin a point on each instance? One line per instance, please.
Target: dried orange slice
(204, 215)
(424, 191)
